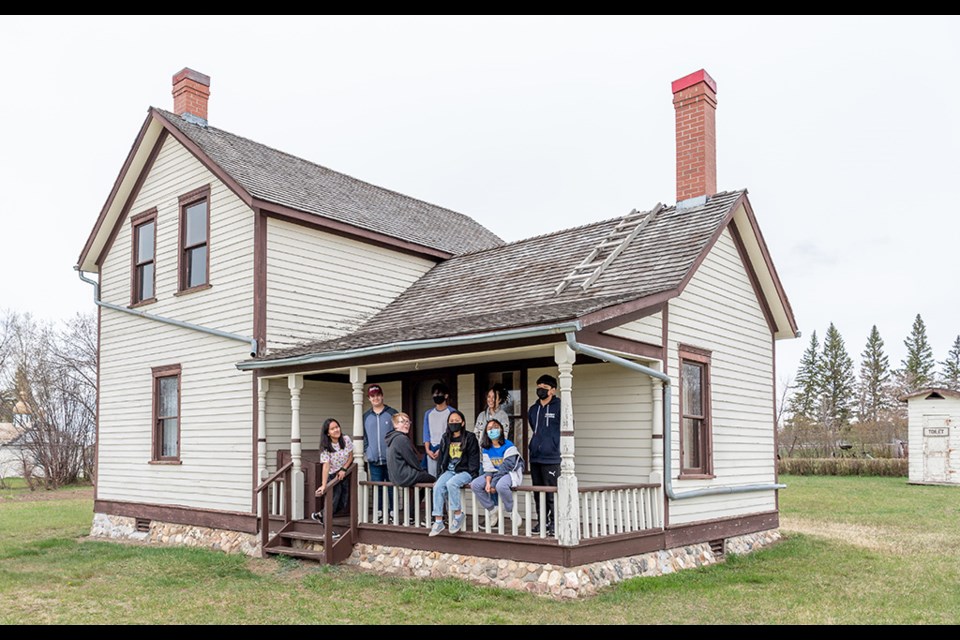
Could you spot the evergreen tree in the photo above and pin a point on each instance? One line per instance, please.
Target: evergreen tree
(874, 378)
(951, 367)
(919, 363)
(803, 403)
(836, 397)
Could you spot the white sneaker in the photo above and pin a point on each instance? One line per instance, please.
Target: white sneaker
(437, 528)
(519, 520)
(493, 517)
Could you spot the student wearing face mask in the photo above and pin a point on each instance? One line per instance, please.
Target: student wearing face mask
(544, 416)
(435, 425)
(459, 458)
(502, 470)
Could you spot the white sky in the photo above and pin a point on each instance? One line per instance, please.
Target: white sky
(844, 130)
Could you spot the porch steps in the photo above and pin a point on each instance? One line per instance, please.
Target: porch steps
(318, 556)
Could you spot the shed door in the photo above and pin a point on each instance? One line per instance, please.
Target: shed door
(936, 440)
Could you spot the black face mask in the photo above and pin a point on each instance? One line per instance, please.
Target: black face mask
(439, 399)
(454, 427)
(542, 393)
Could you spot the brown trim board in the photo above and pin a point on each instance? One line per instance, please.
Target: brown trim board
(707, 530)
(634, 347)
(752, 275)
(230, 520)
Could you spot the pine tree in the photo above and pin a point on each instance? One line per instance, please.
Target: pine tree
(836, 397)
(951, 367)
(874, 378)
(919, 364)
(803, 403)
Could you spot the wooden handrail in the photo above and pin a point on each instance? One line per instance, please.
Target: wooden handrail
(617, 487)
(337, 481)
(266, 483)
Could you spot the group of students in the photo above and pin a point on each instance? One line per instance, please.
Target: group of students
(486, 460)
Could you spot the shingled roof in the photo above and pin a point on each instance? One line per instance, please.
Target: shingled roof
(514, 285)
(280, 178)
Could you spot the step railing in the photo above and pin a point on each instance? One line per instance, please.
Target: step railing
(339, 550)
(274, 494)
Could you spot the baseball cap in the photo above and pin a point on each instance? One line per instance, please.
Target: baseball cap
(374, 389)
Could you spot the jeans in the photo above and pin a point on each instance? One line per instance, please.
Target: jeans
(378, 473)
(449, 483)
(489, 500)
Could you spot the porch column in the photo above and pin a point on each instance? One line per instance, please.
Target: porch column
(358, 376)
(657, 445)
(262, 388)
(567, 506)
(295, 384)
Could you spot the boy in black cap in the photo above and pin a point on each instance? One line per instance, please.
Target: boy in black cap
(544, 416)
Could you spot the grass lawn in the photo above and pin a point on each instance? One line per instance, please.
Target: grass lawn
(857, 551)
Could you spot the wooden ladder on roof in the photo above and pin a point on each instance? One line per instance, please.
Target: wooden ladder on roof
(629, 227)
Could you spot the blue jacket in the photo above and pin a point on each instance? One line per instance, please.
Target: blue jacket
(375, 430)
(545, 422)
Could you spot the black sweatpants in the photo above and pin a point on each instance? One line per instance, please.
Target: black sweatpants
(544, 475)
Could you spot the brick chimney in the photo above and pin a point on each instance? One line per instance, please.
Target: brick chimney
(695, 99)
(191, 90)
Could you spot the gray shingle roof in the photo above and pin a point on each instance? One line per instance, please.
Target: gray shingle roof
(283, 179)
(514, 285)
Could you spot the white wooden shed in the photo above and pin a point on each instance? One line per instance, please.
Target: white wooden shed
(934, 436)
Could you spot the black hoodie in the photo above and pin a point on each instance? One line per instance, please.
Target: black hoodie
(469, 453)
(403, 463)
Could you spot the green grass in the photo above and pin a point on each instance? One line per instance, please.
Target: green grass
(856, 566)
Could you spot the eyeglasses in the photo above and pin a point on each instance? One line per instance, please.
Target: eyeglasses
(403, 421)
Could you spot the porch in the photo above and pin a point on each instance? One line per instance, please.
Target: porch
(614, 506)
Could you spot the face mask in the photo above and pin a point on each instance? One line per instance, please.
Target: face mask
(439, 399)
(454, 427)
(542, 393)
(494, 434)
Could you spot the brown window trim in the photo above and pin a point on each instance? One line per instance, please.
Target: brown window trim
(199, 287)
(703, 357)
(165, 372)
(135, 221)
(186, 200)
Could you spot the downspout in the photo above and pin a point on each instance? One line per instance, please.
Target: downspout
(667, 428)
(177, 323)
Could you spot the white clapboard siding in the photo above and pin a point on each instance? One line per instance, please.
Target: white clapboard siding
(919, 407)
(318, 401)
(216, 416)
(612, 423)
(643, 330)
(719, 311)
(320, 285)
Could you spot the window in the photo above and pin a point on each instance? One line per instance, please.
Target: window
(695, 428)
(144, 276)
(195, 239)
(166, 413)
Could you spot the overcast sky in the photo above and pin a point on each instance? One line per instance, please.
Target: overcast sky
(844, 130)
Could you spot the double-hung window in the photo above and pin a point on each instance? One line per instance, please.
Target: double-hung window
(695, 424)
(144, 273)
(166, 413)
(195, 239)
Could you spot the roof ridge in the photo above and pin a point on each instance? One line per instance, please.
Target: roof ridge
(169, 115)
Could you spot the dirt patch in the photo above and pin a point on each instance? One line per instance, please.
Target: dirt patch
(42, 495)
(870, 537)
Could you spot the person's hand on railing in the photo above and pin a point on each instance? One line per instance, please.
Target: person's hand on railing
(321, 490)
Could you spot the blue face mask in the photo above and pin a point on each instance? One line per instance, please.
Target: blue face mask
(494, 434)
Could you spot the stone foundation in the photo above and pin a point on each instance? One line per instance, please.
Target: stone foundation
(123, 528)
(548, 580)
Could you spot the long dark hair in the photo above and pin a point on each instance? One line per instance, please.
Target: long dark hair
(500, 393)
(463, 426)
(485, 441)
(325, 444)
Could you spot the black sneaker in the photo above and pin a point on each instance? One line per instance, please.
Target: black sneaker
(317, 516)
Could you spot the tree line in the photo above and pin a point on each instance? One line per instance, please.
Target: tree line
(832, 409)
(48, 394)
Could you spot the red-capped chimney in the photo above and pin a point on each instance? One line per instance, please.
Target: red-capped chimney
(695, 99)
(191, 91)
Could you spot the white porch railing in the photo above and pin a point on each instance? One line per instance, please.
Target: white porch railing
(604, 510)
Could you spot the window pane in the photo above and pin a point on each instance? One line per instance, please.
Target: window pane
(196, 223)
(692, 389)
(169, 445)
(168, 397)
(196, 266)
(145, 237)
(691, 443)
(145, 281)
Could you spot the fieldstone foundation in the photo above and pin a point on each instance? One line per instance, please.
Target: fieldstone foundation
(547, 580)
(121, 527)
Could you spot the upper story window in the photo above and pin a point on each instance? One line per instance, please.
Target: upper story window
(144, 272)
(695, 421)
(195, 239)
